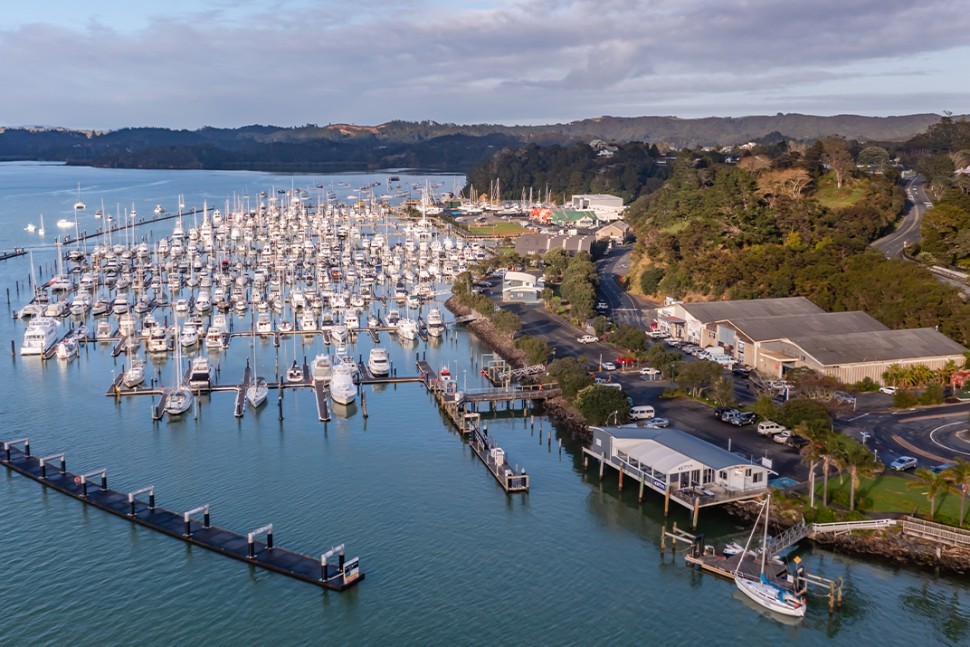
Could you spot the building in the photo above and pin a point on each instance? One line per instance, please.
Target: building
(606, 207)
(522, 287)
(685, 469)
(541, 243)
(617, 231)
(574, 218)
(775, 335)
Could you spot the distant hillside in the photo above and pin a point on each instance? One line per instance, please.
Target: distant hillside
(425, 144)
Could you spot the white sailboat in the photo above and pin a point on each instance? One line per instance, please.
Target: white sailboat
(180, 398)
(135, 374)
(762, 591)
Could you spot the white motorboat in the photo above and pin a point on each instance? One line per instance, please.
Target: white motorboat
(66, 348)
(377, 362)
(407, 329)
(40, 335)
(393, 318)
(120, 305)
(189, 336)
(308, 321)
(774, 597)
(342, 387)
(264, 324)
(199, 373)
(436, 324)
(351, 319)
(103, 331)
(294, 374)
(339, 334)
(321, 369)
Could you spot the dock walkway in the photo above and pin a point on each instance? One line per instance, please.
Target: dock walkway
(245, 548)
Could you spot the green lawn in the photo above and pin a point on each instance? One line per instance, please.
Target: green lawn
(888, 493)
(497, 229)
(829, 195)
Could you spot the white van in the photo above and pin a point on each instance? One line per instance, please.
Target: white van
(769, 428)
(642, 412)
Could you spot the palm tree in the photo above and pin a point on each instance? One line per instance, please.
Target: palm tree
(893, 374)
(935, 485)
(813, 453)
(854, 458)
(959, 475)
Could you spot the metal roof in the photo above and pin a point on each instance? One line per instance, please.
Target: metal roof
(806, 325)
(720, 310)
(678, 443)
(878, 346)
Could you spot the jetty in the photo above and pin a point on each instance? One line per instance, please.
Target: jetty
(91, 488)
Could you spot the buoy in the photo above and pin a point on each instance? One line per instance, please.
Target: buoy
(77, 480)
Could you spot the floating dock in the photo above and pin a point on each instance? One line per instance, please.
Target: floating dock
(92, 489)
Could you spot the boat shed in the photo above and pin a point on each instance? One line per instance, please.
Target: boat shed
(521, 287)
(685, 469)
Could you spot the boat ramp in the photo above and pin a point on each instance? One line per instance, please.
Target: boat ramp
(91, 488)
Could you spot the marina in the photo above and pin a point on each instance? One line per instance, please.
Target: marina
(411, 500)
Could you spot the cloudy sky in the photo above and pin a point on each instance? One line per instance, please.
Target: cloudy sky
(190, 63)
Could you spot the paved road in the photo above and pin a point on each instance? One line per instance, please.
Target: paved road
(624, 307)
(907, 233)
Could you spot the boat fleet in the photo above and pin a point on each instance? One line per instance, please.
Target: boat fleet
(283, 266)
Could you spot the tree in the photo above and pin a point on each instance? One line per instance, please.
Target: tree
(650, 279)
(508, 323)
(856, 459)
(601, 405)
(571, 376)
(959, 475)
(935, 484)
(536, 350)
(695, 377)
(630, 338)
(724, 391)
(819, 445)
(836, 155)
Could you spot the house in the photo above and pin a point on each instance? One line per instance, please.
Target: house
(574, 218)
(688, 470)
(522, 287)
(617, 231)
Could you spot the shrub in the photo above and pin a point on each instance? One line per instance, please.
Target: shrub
(905, 399)
(536, 351)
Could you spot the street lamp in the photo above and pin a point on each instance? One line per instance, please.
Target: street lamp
(613, 415)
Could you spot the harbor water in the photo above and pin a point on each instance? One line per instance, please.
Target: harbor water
(449, 557)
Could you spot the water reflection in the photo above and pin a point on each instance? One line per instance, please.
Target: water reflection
(942, 609)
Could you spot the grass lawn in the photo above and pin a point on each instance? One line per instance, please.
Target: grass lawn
(829, 195)
(888, 493)
(497, 229)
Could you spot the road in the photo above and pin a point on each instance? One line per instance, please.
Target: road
(625, 308)
(907, 233)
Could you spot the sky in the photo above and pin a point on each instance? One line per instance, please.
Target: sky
(108, 64)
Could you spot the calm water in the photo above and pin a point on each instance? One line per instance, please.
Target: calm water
(449, 558)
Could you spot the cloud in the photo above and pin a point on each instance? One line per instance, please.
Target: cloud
(525, 61)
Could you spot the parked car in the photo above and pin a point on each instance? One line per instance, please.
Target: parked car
(769, 428)
(719, 411)
(625, 361)
(845, 398)
(888, 390)
(903, 463)
(740, 371)
(642, 412)
(608, 366)
(658, 423)
(796, 441)
(587, 339)
(648, 371)
(936, 469)
(727, 415)
(782, 437)
(743, 418)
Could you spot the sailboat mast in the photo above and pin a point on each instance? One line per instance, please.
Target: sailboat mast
(764, 541)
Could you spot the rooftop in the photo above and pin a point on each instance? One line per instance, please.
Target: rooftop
(878, 346)
(710, 311)
(681, 443)
(806, 325)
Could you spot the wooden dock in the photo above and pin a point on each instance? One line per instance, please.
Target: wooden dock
(320, 390)
(239, 408)
(92, 490)
(496, 461)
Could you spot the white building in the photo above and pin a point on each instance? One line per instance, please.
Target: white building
(606, 207)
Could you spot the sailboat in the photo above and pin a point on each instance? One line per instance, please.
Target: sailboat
(257, 390)
(180, 398)
(762, 591)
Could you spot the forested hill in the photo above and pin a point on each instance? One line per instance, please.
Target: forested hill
(425, 144)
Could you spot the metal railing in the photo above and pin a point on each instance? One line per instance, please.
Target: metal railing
(935, 531)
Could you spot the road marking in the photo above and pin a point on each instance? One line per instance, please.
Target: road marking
(857, 417)
(946, 447)
(916, 450)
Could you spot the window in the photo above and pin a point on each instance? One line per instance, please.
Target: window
(599, 443)
(758, 477)
(722, 475)
(747, 472)
(708, 475)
